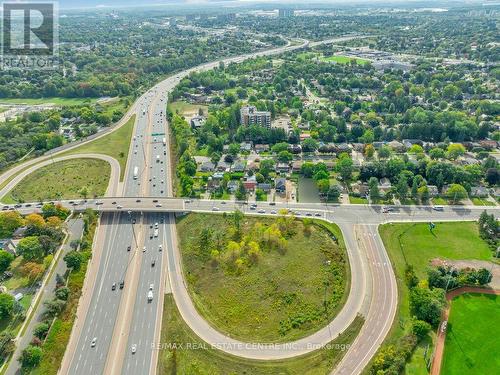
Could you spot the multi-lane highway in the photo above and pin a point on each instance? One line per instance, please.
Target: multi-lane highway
(124, 323)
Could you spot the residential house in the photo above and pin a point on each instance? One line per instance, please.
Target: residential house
(207, 166)
(360, 188)
(261, 148)
(280, 185)
(232, 186)
(8, 245)
(197, 121)
(479, 191)
(250, 183)
(296, 166)
(295, 149)
(397, 146)
(238, 167)
(19, 233)
(384, 185)
(246, 146)
(264, 187)
(222, 166)
(283, 168)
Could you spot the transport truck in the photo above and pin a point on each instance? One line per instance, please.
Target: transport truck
(136, 172)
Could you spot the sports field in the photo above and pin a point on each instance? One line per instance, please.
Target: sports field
(473, 336)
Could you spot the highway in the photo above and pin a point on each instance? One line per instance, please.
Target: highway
(122, 319)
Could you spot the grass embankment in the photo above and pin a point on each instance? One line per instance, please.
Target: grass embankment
(472, 337)
(58, 337)
(176, 357)
(115, 144)
(62, 180)
(451, 240)
(482, 202)
(357, 200)
(278, 298)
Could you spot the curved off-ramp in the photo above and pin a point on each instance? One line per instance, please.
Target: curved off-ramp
(113, 188)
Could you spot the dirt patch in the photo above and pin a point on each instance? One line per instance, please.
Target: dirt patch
(471, 263)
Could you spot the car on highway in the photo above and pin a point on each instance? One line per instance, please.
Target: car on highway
(134, 349)
(93, 342)
(153, 262)
(272, 203)
(160, 247)
(151, 286)
(273, 212)
(119, 207)
(261, 211)
(129, 248)
(150, 296)
(138, 201)
(317, 214)
(158, 205)
(122, 284)
(154, 200)
(215, 209)
(438, 208)
(187, 201)
(156, 225)
(386, 210)
(98, 203)
(144, 249)
(113, 287)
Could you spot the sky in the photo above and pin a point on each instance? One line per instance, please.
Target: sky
(64, 4)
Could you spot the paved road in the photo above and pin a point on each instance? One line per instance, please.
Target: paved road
(113, 185)
(75, 229)
(372, 288)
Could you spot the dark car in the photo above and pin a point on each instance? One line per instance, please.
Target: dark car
(122, 284)
(129, 248)
(153, 263)
(113, 287)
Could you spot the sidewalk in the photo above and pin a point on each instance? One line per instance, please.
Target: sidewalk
(75, 230)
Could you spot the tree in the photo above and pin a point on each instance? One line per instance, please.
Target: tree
(62, 293)
(402, 187)
(6, 305)
(427, 304)
(278, 147)
(420, 328)
(285, 156)
(35, 220)
(6, 259)
(384, 152)
(30, 248)
(31, 357)
(416, 149)
(455, 150)
(369, 151)
(53, 308)
(7, 345)
(32, 270)
(323, 186)
(41, 330)
(73, 260)
(345, 167)
(334, 193)
(437, 153)
(307, 169)
(456, 193)
(9, 222)
(309, 145)
(492, 176)
(373, 189)
(266, 166)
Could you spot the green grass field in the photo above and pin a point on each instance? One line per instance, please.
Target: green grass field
(115, 144)
(202, 359)
(186, 109)
(345, 60)
(55, 101)
(454, 240)
(473, 336)
(62, 180)
(281, 290)
(451, 240)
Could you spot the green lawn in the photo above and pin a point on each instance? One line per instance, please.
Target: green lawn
(62, 180)
(115, 144)
(450, 240)
(278, 299)
(482, 202)
(454, 240)
(473, 336)
(357, 200)
(345, 60)
(202, 359)
(55, 100)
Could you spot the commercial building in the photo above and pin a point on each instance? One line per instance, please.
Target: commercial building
(250, 116)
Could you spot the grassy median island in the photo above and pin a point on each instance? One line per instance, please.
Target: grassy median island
(63, 180)
(451, 240)
(263, 279)
(115, 144)
(182, 352)
(472, 337)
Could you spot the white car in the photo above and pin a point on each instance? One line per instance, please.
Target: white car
(160, 247)
(94, 341)
(144, 249)
(215, 209)
(151, 286)
(134, 348)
